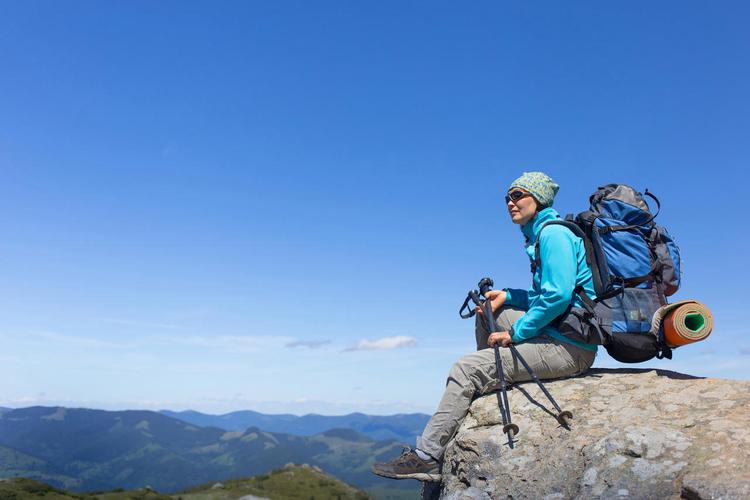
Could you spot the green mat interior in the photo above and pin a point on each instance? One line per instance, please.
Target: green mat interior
(695, 322)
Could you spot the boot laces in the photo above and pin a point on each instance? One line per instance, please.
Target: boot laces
(405, 452)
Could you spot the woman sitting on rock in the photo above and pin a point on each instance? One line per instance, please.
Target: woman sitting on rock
(524, 319)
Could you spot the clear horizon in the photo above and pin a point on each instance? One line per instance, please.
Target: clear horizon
(280, 206)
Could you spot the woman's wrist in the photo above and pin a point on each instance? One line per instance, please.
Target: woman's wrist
(507, 296)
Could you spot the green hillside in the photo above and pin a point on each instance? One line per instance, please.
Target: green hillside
(288, 483)
(24, 489)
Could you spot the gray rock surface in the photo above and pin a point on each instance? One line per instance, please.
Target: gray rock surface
(635, 434)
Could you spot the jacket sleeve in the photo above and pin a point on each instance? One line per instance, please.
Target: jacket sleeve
(558, 278)
(517, 298)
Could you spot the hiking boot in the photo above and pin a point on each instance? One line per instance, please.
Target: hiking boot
(409, 466)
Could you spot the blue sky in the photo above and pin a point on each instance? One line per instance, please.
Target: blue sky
(279, 206)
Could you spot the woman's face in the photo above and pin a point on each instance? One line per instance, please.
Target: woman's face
(522, 207)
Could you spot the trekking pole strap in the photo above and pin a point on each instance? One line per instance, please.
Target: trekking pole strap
(470, 312)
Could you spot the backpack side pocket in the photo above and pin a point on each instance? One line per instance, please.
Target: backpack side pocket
(582, 326)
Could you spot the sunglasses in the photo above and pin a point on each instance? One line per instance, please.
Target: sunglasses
(515, 196)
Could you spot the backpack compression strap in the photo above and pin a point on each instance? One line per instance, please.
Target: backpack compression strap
(609, 229)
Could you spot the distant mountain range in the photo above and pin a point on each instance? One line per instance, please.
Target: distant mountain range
(84, 450)
(402, 427)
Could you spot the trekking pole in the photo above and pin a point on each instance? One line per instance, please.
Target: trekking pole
(563, 417)
(509, 427)
(485, 285)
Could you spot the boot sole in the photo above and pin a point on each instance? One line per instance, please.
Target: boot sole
(434, 477)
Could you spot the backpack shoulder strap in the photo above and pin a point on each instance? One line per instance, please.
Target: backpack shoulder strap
(572, 226)
(588, 302)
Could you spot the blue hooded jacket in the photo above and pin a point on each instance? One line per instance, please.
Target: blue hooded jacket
(563, 258)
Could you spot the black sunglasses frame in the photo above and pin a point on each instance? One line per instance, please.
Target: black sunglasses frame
(515, 196)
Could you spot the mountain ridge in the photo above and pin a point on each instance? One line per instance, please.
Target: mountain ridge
(84, 449)
(401, 426)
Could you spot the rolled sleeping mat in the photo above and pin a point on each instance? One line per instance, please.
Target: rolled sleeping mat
(683, 322)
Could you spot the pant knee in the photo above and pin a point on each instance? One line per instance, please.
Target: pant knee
(457, 372)
(463, 369)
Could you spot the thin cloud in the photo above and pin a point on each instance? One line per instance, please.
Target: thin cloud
(49, 337)
(219, 342)
(309, 344)
(383, 344)
(745, 352)
(232, 342)
(138, 324)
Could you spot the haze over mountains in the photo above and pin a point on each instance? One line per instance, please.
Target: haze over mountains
(403, 427)
(84, 450)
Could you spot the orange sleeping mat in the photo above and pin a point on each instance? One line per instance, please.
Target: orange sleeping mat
(687, 322)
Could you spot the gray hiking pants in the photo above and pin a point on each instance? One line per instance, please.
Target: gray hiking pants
(475, 374)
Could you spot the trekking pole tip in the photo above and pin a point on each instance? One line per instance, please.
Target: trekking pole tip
(564, 417)
(511, 430)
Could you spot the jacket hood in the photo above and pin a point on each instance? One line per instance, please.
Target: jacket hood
(531, 229)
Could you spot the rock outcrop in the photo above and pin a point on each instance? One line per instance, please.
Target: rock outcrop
(635, 434)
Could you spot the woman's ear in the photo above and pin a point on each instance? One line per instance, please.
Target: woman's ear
(539, 206)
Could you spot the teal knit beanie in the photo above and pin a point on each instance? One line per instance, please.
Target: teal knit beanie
(540, 185)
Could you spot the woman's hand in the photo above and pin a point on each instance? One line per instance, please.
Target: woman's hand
(496, 298)
(499, 338)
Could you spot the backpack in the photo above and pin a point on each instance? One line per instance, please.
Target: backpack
(635, 265)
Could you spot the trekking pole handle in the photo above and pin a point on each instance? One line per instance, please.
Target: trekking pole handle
(485, 285)
(486, 306)
(473, 295)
